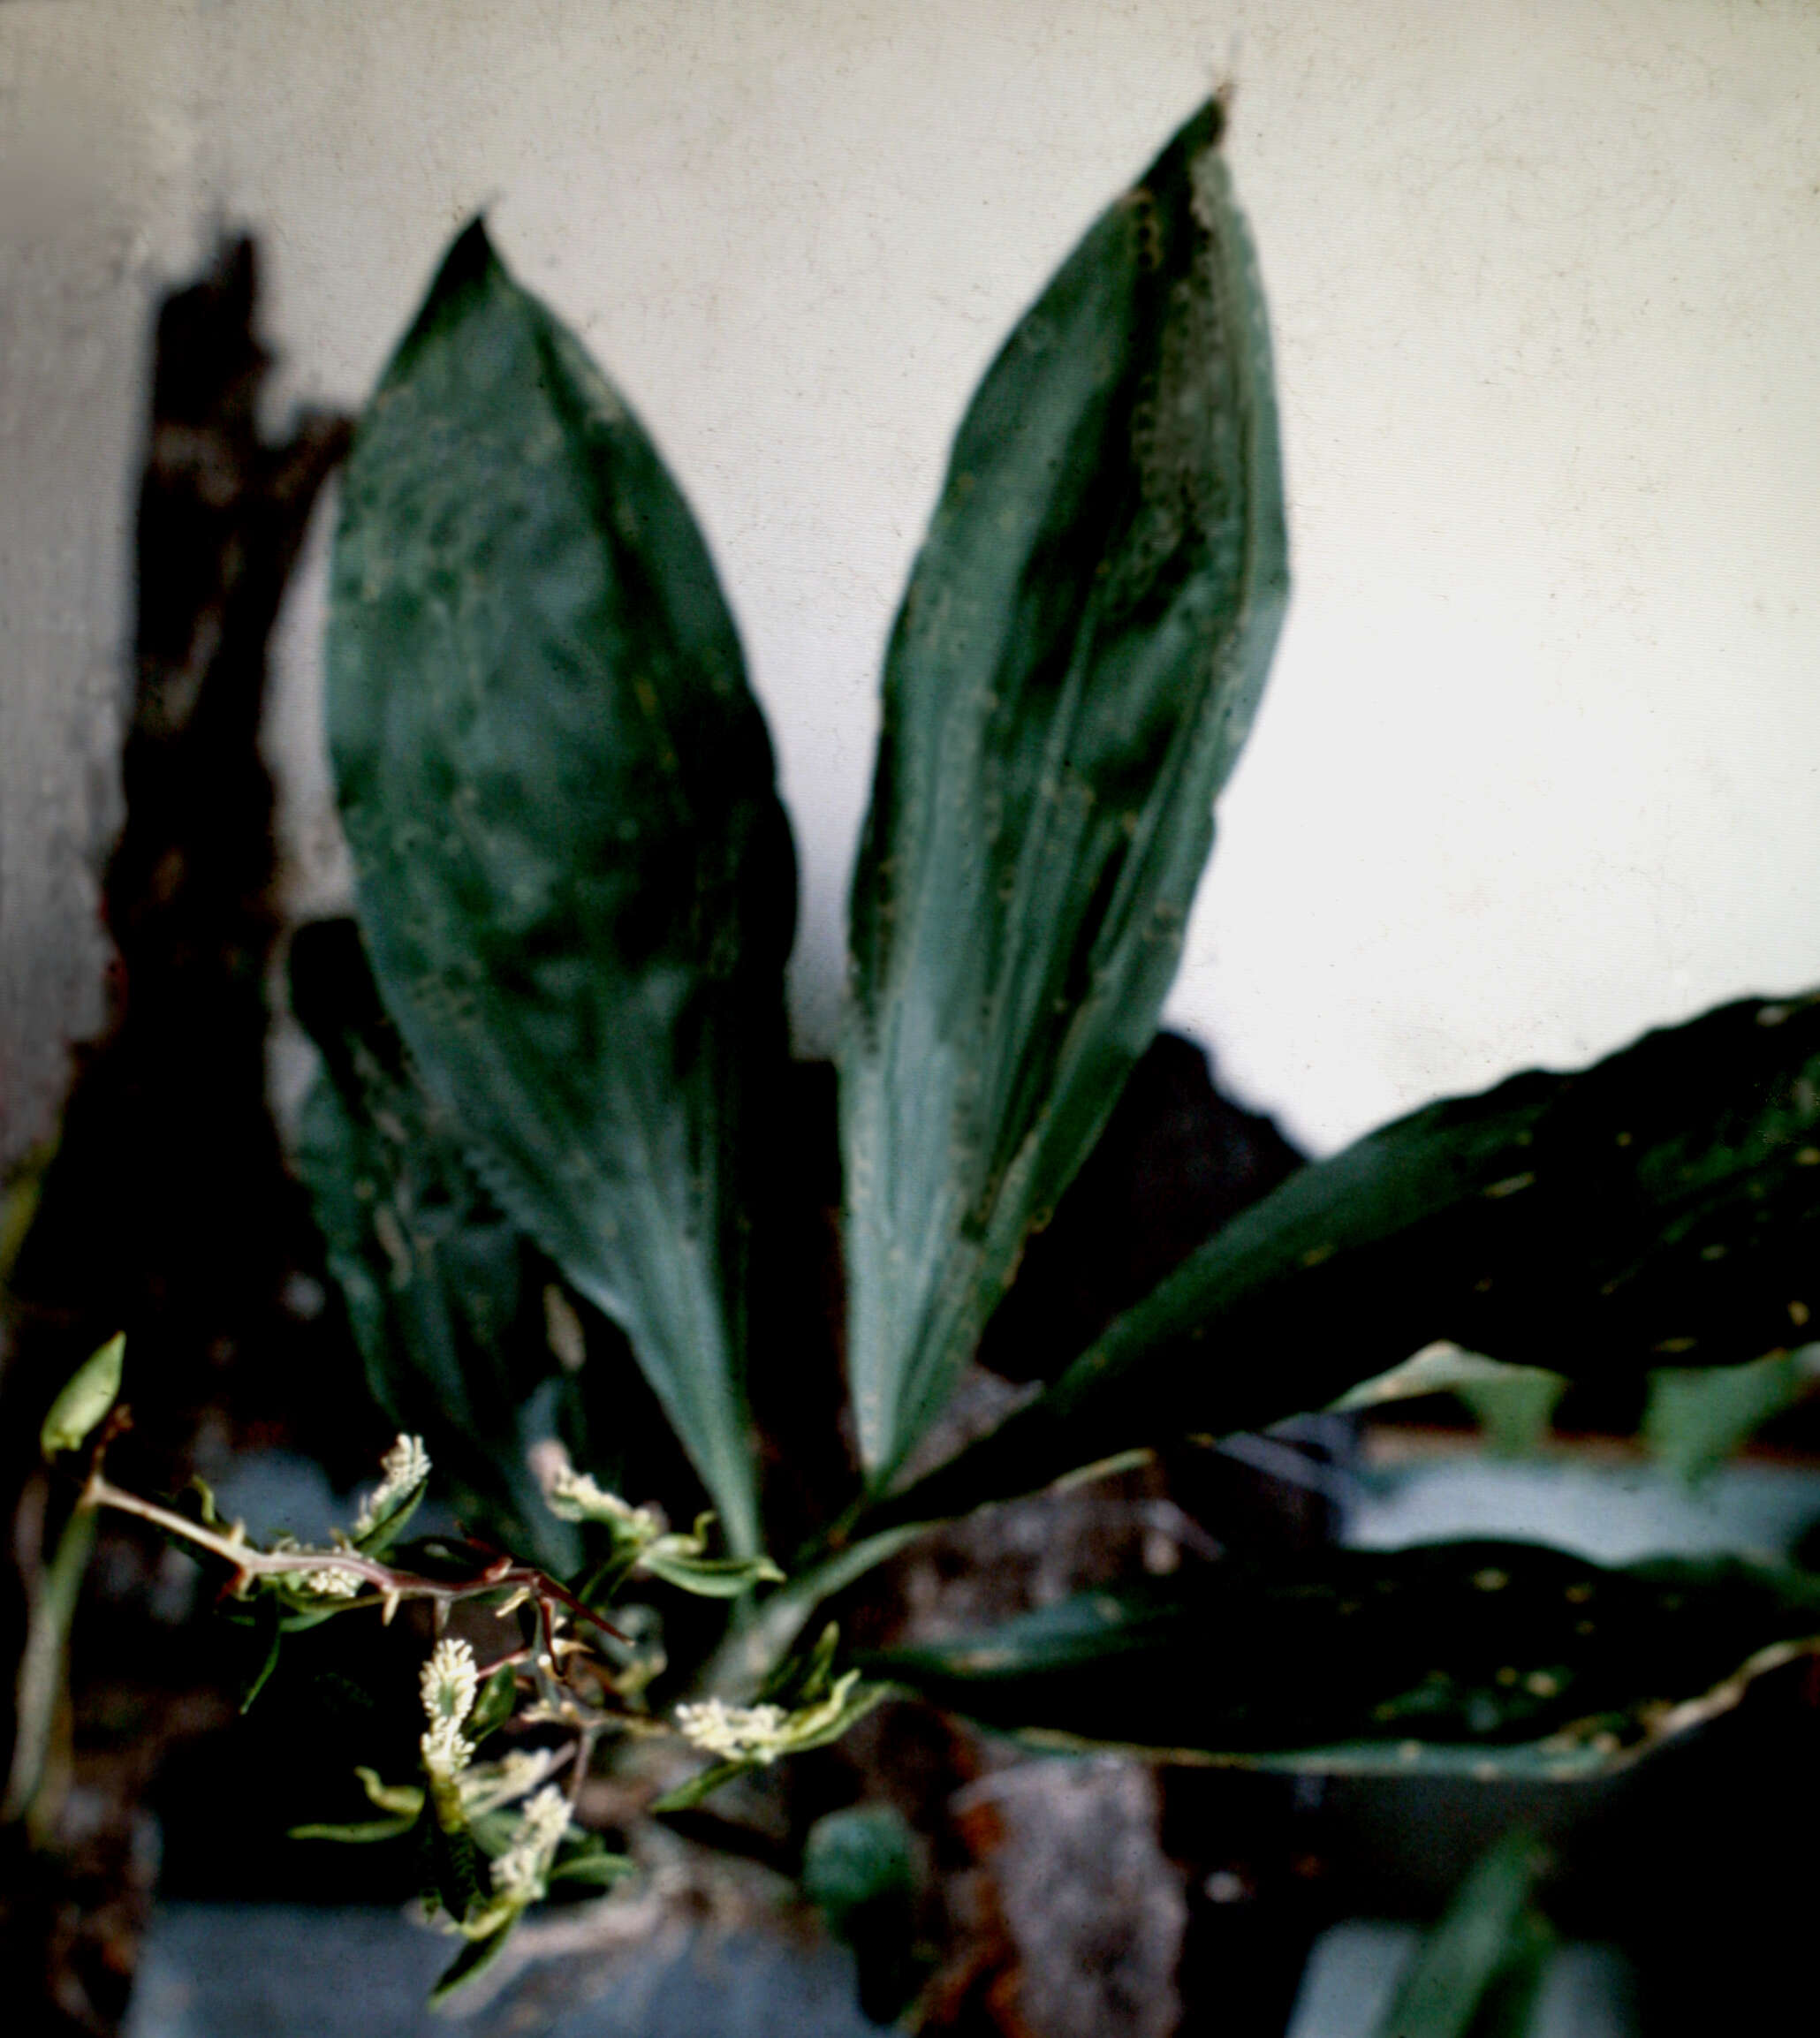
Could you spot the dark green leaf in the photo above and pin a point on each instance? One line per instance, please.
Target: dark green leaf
(1074, 670)
(473, 1957)
(448, 1864)
(1483, 1658)
(440, 1288)
(1665, 1201)
(573, 873)
(1488, 1931)
(91, 1391)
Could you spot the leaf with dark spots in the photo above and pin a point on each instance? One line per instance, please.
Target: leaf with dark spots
(573, 875)
(1664, 1202)
(1068, 684)
(1479, 1658)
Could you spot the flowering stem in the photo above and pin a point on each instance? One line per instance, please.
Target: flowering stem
(392, 1585)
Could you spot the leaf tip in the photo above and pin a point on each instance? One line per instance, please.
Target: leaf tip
(469, 259)
(466, 269)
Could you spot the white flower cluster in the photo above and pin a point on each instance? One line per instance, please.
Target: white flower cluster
(489, 1785)
(521, 1872)
(405, 1465)
(573, 1496)
(735, 1733)
(449, 1682)
(761, 1733)
(323, 1583)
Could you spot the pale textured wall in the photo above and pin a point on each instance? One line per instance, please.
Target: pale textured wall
(1538, 765)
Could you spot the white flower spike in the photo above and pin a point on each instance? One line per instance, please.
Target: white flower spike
(322, 1584)
(735, 1733)
(573, 1496)
(449, 1682)
(407, 1464)
(521, 1872)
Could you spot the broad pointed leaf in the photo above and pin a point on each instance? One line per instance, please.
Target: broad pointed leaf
(1486, 1658)
(1074, 670)
(572, 871)
(1661, 1206)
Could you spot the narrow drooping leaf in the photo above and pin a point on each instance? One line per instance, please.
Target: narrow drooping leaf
(42, 1679)
(572, 871)
(473, 1961)
(1662, 1207)
(1072, 675)
(440, 1286)
(1481, 1658)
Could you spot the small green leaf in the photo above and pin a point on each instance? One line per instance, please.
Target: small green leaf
(683, 1561)
(1513, 1405)
(405, 1799)
(471, 1960)
(1517, 1410)
(813, 1721)
(709, 1577)
(1478, 1659)
(1697, 1416)
(269, 1627)
(206, 1508)
(1487, 1932)
(90, 1392)
(499, 1697)
(687, 1796)
(386, 1530)
(592, 1862)
(573, 875)
(807, 1677)
(1070, 678)
(1664, 1202)
(760, 1649)
(360, 1833)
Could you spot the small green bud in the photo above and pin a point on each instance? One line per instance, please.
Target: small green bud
(91, 1391)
